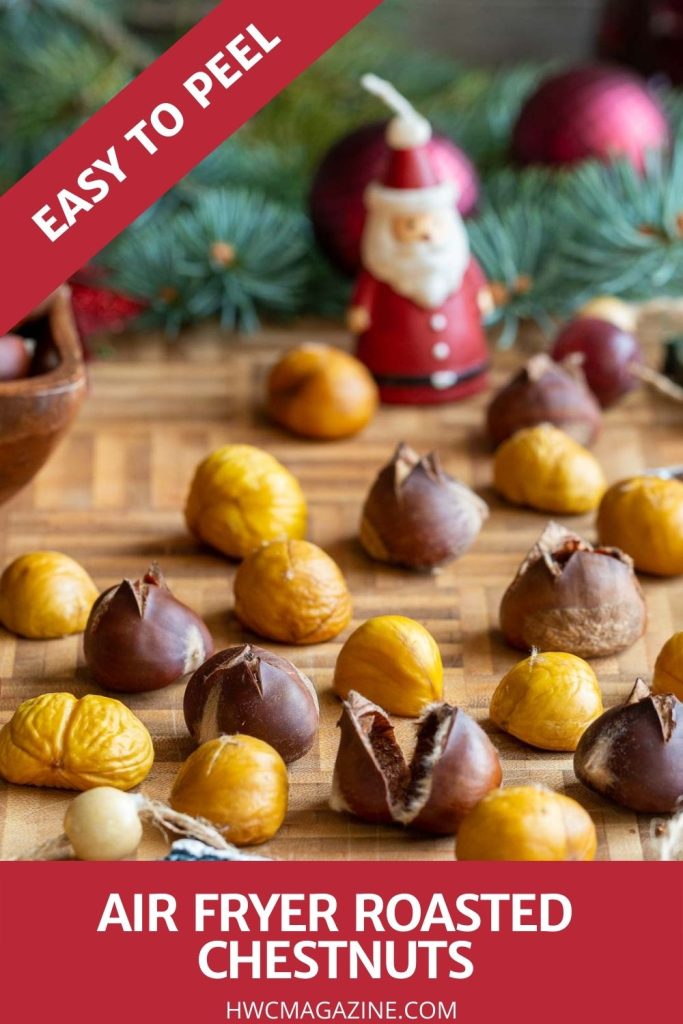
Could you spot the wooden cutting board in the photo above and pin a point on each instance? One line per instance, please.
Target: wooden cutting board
(112, 497)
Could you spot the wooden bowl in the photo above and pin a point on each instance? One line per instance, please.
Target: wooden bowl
(37, 410)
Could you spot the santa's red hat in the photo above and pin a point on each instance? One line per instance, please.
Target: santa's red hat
(410, 178)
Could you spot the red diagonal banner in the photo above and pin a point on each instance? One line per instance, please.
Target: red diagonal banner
(153, 133)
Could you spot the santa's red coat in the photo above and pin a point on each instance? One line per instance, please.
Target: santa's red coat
(420, 355)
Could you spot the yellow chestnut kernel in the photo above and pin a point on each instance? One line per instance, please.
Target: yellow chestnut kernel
(614, 311)
(548, 700)
(238, 783)
(668, 676)
(544, 468)
(527, 823)
(45, 595)
(58, 740)
(393, 661)
(103, 824)
(320, 391)
(293, 592)
(644, 517)
(242, 497)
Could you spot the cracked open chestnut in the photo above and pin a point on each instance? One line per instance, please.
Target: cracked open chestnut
(569, 596)
(454, 765)
(417, 515)
(633, 753)
(140, 637)
(544, 391)
(247, 689)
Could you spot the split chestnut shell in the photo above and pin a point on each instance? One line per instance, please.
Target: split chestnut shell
(140, 637)
(453, 767)
(249, 690)
(416, 515)
(569, 596)
(544, 391)
(633, 753)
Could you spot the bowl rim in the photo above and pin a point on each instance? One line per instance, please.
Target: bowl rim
(71, 369)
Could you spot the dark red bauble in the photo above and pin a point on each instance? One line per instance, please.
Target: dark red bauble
(336, 198)
(594, 111)
(608, 352)
(14, 357)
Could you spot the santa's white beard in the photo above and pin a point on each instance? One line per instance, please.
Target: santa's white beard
(425, 271)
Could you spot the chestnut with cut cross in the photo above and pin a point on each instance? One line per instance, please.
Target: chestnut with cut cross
(247, 689)
(140, 637)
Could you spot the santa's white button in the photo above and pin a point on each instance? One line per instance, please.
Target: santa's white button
(443, 379)
(438, 322)
(441, 350)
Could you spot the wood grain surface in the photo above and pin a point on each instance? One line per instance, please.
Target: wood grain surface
(112, 497)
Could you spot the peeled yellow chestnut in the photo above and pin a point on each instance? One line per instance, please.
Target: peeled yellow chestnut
(140, 637)
(633, 753)
(547, 700)
(45, 595)
(242, 497)
(544, 391)
(58, 740)
(250, 690)
(293, 592)
(527, 823)
(644, 516)
(454, 765)
(613, 310)
(569, 596)
(319, 391)
(238, 783)
(668, 677)
(393, 661)
(418, 516)
(546, 469)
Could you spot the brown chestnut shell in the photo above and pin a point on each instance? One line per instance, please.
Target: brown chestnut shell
(454, 765)
(140, 637)
(633, 753)
(418, 516)
(569, 596)
(544, 391)
(247, 689)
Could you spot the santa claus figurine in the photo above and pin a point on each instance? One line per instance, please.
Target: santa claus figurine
(417, 307)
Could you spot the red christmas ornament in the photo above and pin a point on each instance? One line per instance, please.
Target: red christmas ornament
(97, 308)
(608, 352)
(588, 112)
(416, 310)
(336, 198)
(645, 34)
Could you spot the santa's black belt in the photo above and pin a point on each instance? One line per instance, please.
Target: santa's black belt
(395, 381)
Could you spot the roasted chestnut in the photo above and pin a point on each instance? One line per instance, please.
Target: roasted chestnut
(418, 516)
(453, 767)
(544, 391)
(569, 596)
(249, 690)
(140, 637)
(633, 753)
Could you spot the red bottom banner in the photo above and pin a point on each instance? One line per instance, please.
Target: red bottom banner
(473, 943)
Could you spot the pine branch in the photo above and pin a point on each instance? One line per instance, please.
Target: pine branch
(515, 241)
(624, 230)
(233, 255)
(98, 19)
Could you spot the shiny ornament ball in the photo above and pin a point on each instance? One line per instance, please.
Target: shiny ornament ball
(589, 112)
